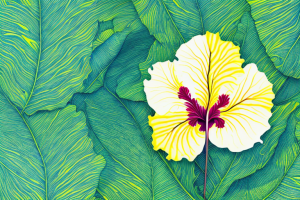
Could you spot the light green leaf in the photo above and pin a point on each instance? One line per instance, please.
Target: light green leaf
(45, 50)
(253, 51)
(102, 37)
(47, 155)
(279, 179)
(278, 27)
(173, 23)
(225, 167)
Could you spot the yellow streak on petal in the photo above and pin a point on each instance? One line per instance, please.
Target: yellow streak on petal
(173, 134)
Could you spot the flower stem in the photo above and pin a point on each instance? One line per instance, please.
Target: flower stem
(206, 156)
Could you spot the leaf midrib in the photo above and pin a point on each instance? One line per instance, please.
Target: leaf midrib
(137, 124)
(162, 2)
(222, 178)
(37, 146)
(102, 71)
(39, 56)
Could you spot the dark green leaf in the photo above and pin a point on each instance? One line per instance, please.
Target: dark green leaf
(290, 91)
(102, 58)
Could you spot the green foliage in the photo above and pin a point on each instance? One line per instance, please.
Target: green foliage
(101, 52)
(278, 27)
(47, 155)
(134, 170)
(45, 56)
(248, 40)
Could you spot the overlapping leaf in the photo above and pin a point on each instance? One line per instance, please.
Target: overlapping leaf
(253, 51)
(47, 155)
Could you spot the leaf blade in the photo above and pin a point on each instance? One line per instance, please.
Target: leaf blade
(45, 159)
(55, 52)
(278, 27)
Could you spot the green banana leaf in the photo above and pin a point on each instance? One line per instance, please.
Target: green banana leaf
(45, 50)
(47, 155)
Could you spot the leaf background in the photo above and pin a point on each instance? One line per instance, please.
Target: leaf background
(101, 51)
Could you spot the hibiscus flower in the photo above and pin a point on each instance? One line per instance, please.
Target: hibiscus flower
(207, 95)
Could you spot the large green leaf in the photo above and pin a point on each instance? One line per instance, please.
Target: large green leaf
(45, 50)
(252, 50)
(225, 167)
(173, 23)
(279, 179)
(47, 155)
(278, 28)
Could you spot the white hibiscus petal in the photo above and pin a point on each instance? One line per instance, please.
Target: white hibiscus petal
(246, 117)
(162, 89)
